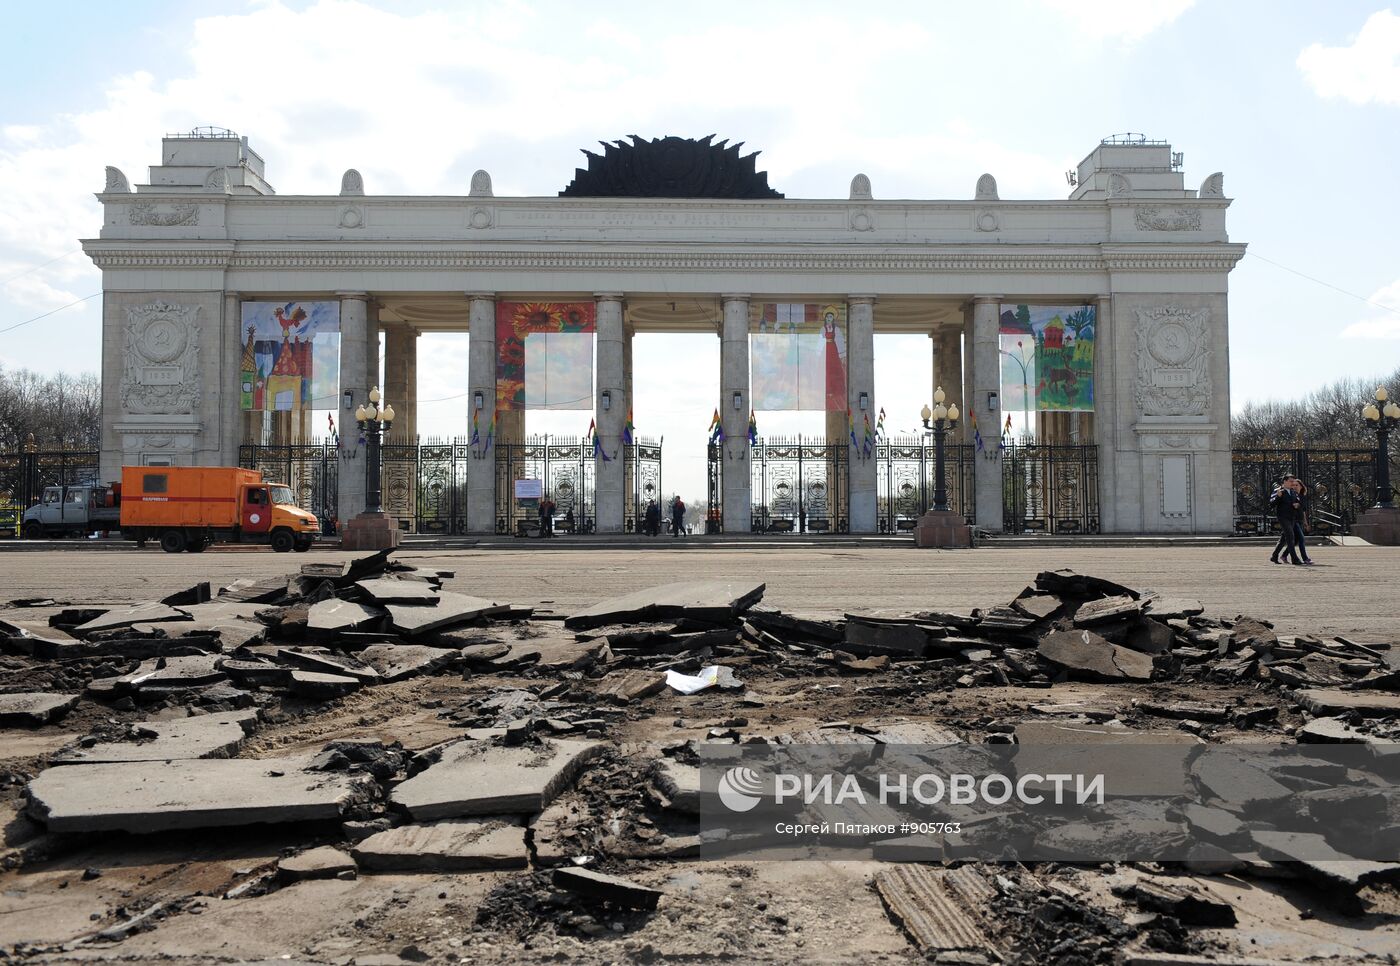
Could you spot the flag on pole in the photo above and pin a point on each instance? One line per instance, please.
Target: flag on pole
(1005, 434)
(490, 433)
(851, 422)
(869, 436)
(716, 429)
(330, 425)
(880, 424)
(597, 442)
(476, 427)
(628, 429)
(976, 435)
(753, 429)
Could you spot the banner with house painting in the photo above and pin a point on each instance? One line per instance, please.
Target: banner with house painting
(1047, 358)
(290, 356)
(544, 355)
(797, 356)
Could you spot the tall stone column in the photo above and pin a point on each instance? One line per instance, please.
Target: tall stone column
(481, 380)
(986, 385)
(401, 378)
(1106, 412)
(629, 481)
(354, 349)
(965, 346)
(610, 414)
(860, 380)
(372, 348)
(736, 480)
(232, 419)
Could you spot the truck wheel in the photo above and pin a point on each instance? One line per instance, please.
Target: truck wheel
(33, 530)
(282, 540)
(173, 541)
(302, 545)
(197, 545)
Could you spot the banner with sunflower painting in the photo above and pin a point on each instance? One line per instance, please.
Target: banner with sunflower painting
(544, 355)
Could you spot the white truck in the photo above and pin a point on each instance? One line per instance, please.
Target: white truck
(72, 511)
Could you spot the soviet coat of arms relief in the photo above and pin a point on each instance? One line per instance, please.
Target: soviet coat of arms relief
(161, 373)
(1173, 357)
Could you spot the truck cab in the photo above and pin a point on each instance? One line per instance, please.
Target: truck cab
(187, 508)
(71, 510)
(271, 509)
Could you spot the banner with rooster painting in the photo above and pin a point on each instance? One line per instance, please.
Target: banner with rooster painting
(797, 356)
(544, 355)
(291, 356)
(1047, 358)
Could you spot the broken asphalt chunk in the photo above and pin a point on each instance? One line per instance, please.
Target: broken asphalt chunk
(450, 845)
(202, 736)
(711, 600)
(601, 887)
(31, 709)
(328, 616)
(481, 778)
(450, 609)
(392, 590)
(1086, 654)
(394, 662)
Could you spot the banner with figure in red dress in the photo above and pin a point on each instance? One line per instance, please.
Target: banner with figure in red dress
(797, 356)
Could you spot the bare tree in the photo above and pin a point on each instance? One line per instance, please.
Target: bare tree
(1325, 418)
(63, 411)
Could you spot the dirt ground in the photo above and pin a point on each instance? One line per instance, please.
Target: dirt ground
(817, 912)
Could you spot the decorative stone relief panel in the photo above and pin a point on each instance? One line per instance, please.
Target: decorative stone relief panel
(860, 188)
(861, 219)
(163, 216)
(116, 181)
(352, 216)
(217, 180)
(1167, 219)
(1119, 186)
(352, 183)
(1214, 186)
(480, 217)
(987, 189)
(481, 185)
(161, 374)
(1173, 353)
(987, 221)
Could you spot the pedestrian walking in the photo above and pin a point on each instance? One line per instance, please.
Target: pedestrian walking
(1286, 503)
(652, 525)
(677, 517)
(1301, 525)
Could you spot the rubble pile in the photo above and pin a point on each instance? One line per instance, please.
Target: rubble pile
(562, 749)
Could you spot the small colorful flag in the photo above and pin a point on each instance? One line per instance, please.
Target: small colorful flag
(490, 433)
(753, 429)
(628, 428)
(880, 424)
(330, 425)
(851, 422)
(476, 427)
(869, 436)
(1006, 430)
(597, 442)
(976, 435)
(716, 430)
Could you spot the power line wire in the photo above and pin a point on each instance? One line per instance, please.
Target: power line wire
(35, 268)
(1360, 298)
(36, 318)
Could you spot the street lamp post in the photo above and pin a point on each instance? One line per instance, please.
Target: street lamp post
(944, 418)
(374, 422)
(1384, 415)
(941, 527)
(373, 529)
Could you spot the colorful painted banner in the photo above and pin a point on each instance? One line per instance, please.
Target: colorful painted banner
(544, 355)
(1047, 354)
(291, 356)
(797, 356)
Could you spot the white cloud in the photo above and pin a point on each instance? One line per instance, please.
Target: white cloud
(1124, 20)
(1384, 325)
(1365, 71)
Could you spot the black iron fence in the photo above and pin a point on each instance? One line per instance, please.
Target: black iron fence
(1050, 489)
(1340, 482)
(25, 473)
(906, 479)
(567, 470)
(797, 485)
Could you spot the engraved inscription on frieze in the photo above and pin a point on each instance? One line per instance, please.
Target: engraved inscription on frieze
(161, 359)
(1173, 354)
(1167, 219)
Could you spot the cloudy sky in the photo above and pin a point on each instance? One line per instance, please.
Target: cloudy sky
(1297, 102)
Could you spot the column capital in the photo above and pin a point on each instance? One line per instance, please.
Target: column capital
(608, 296)
(862, 299)
(353, 296)
(984, 299)
(232, 295)
(734, 297)
(490, 296)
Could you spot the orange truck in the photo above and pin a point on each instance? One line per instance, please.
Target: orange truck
(190, 507)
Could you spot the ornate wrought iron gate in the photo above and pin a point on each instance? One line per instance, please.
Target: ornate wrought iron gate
(643, 475)
(799, 485)
(906, 480)
(1341, 483)
(24, 474)
(563, 464)
(1050, 489)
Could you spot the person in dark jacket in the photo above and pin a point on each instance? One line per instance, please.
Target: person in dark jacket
(677, 517)
(1300, 526)
(652, 524)
(1286, 504)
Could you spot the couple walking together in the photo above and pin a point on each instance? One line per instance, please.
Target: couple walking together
(1290, 503)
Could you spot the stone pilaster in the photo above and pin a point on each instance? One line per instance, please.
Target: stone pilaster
(354, 350)
(481, 377)
(736, 481)
(986, 387)
(965, 346)
(860, 380)
(401, 378)
(610, 414)
(230, 415)
(1106, 421)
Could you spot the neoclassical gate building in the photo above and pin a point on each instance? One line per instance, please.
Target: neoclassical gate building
(218, 294)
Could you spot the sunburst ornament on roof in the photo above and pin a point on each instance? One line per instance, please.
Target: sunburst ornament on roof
(670, 167)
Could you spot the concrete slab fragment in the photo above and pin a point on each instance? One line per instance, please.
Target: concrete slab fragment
(1106, 609)
(320, 863)
(1329, 701)
(133, 614)
(479, 778)
(713, 600)
(1086, 654)
(159, 796)
(450, 609)
(203, 736)
(394, 662)
(31, 709)
(451, 845)
(391, 590)
(328, 662)
(602, 887)
(1166, 608)
(172, 672)
(222, 610)
(327, 616)
(322, 687)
